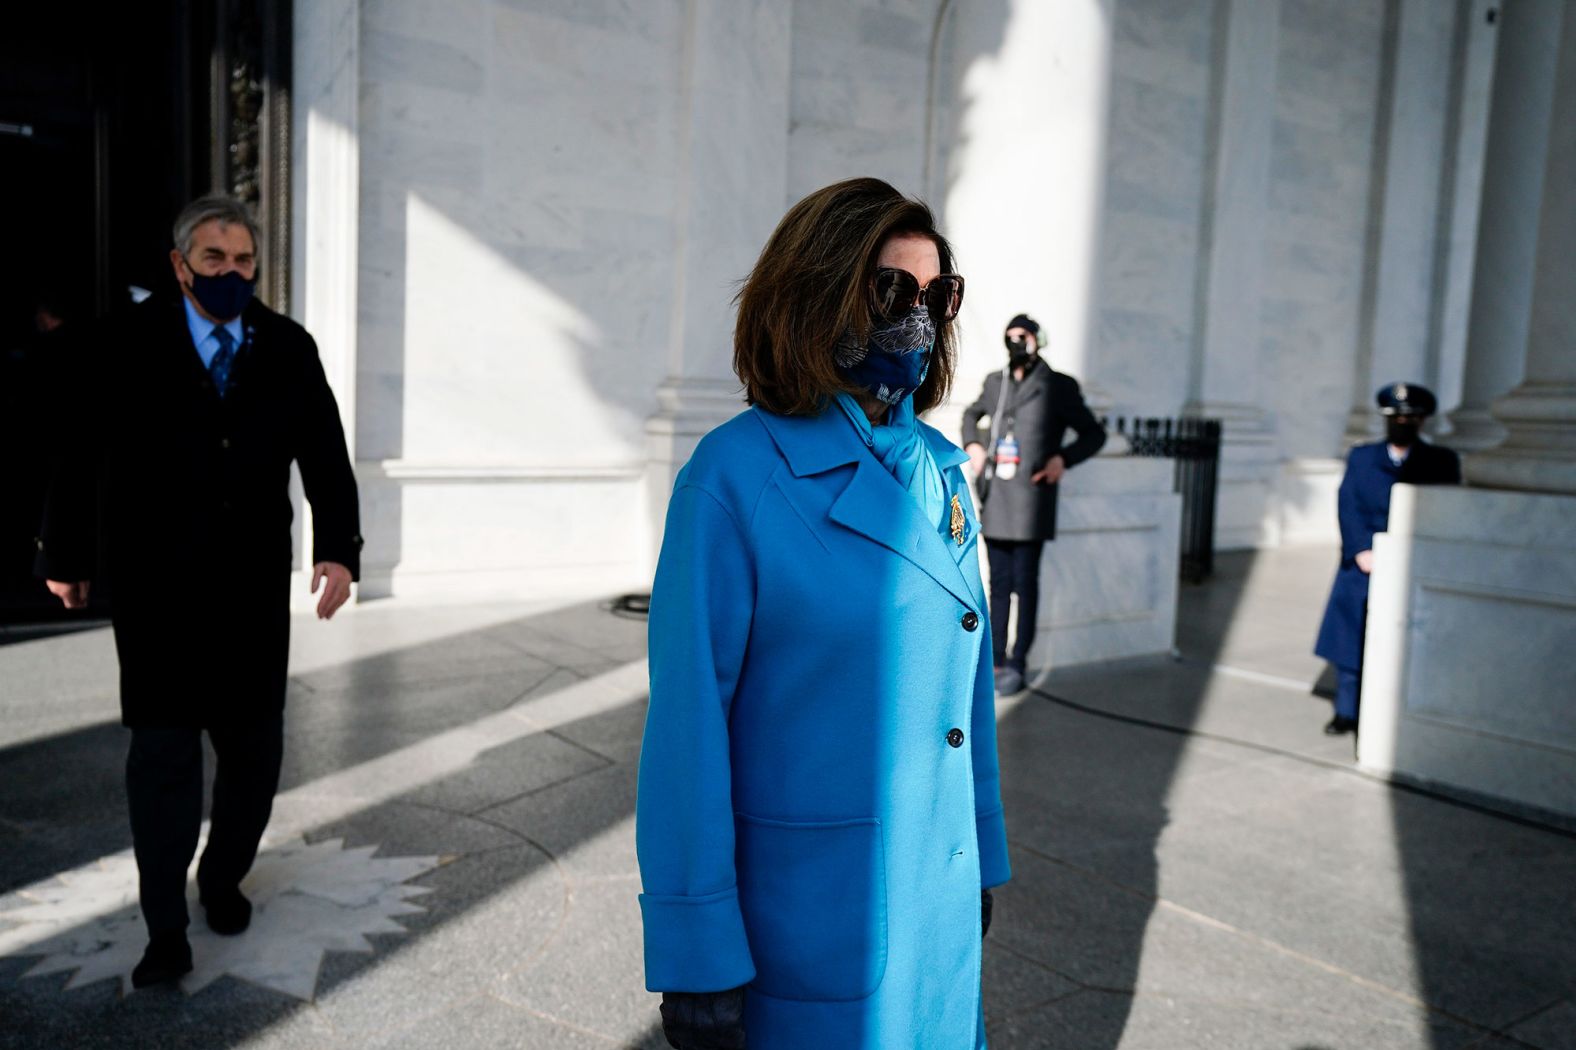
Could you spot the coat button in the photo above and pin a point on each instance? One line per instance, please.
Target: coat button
(971, 622)
(955, 737)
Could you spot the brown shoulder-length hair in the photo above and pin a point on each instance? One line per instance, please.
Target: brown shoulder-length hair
(811, 286)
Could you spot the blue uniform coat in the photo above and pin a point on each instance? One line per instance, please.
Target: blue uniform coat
(1364, 507)
(819, 804)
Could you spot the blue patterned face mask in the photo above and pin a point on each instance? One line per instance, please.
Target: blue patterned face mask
(895, 359)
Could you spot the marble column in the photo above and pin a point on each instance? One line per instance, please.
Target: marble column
(1227, 345)
(326, 173)
(1399, 341)
(1508, 225)
(1538, 453)
(1477, 37)
(732, 188)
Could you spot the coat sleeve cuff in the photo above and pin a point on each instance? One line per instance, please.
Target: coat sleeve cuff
(340, 551)
(695, 944)
(992, 831)
(48, 564)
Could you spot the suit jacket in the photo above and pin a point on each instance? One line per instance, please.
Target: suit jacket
(1364, 509)
(819, 804)
(176, 504)
(1039, 411)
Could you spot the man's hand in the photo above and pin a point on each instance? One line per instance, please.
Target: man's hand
(72, 595)
(337, 591)
(1365, 561)
(1051, 473)
(976, 453)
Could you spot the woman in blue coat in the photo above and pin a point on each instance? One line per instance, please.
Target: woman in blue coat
(819, 812)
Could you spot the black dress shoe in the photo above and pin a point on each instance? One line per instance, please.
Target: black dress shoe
(1339, 726)
(229, 912)
(167, 958)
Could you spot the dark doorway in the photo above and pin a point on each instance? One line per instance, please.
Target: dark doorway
(111, 118)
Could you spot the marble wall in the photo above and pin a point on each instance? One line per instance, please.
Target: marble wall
(1156, 171)
(1327, 102)
(859, 79)
(519, 167)
(1471, 611)
(528, 316)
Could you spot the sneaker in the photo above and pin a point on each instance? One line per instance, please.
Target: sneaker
(1009, 680)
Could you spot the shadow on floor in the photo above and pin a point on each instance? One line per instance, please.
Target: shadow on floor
(504, 823)
(1063, 960)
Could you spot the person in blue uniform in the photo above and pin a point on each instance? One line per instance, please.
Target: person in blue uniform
(819, 816)
(1364, 504)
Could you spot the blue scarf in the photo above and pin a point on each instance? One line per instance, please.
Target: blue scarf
(904, 452)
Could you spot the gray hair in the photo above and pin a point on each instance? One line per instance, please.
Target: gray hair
(218, 206)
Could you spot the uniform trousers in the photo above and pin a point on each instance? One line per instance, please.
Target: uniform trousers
(164, 786)
(1014, 569)
(1348, 686)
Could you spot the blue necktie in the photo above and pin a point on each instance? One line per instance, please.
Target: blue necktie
(219, 367)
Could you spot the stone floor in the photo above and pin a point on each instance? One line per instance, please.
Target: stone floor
(451, 862)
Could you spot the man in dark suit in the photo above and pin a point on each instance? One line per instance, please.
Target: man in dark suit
(1018, 462)
(172, 497)
(1364, 508)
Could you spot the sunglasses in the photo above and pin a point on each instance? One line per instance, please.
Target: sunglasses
(894, 292)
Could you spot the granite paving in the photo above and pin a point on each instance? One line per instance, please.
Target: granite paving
(1196, 864)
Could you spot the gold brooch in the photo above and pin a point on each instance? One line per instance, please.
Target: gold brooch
(958, 522)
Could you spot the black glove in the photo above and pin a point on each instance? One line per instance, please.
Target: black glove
(986, 901)
(704, 1020)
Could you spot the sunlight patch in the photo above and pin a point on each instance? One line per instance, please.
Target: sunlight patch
(307, 899)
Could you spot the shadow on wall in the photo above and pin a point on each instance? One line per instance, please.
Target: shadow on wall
(516, 269)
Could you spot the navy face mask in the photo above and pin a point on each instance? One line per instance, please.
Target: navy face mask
(895, 359)
(223, 296)
(1402, 435)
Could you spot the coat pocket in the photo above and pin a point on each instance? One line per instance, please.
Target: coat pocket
(814, 901)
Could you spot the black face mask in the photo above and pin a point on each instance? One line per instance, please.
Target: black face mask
(223, 296)
(1018, 353)
(1401, 435)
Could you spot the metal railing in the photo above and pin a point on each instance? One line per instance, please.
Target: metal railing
(1194, 444)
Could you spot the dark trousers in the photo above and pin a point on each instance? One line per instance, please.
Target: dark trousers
(1014, 569)
(1348, 685)
(164, 787)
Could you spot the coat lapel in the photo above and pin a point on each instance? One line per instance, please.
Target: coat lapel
(949, 457)
(876, 506)
(873, 504)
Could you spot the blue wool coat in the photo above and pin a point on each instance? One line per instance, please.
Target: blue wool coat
(1364, 509)
(819, 803)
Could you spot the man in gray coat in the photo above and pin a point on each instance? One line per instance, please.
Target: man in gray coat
(1018, 460)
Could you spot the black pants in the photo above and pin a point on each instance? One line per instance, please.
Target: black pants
(1014, 569)
(164, 787)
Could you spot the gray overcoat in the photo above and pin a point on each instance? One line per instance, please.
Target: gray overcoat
(1039, 410)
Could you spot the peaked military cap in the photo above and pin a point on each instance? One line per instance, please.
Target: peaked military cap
(1406, 399)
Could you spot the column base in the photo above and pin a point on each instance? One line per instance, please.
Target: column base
(1362, 426)
(1474, 429)
(1538, 453)
(689, 409)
